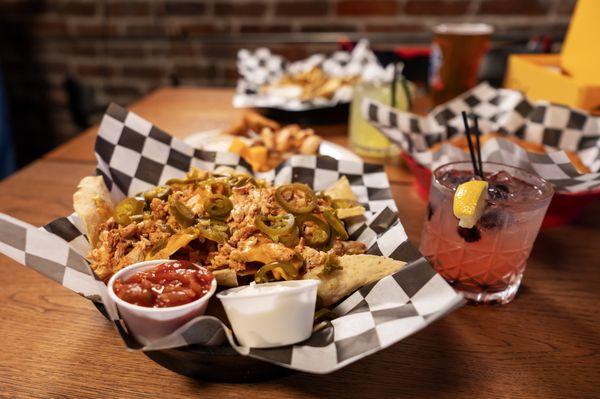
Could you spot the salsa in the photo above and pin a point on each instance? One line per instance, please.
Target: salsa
(166, 285)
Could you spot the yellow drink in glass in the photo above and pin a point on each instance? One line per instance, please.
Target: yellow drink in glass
(365, 139)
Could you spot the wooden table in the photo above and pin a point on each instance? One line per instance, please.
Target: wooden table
(544, 344)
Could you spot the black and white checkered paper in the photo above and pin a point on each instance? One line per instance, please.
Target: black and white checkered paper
(259, 67)
(557, 127)
(134, 155)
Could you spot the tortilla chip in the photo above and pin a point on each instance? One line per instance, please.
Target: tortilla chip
(344, 213)
(93, 205)
(226, 170)
(341, 190)
(357, 270)
(196, 173)
(226, 277)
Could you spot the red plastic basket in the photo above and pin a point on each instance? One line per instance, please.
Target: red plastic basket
(564, 207)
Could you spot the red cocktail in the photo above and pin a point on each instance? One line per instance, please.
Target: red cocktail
(485, 262)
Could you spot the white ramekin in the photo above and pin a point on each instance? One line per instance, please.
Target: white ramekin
(147, 324)
(268, 319)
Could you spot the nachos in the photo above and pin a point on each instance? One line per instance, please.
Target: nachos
(241, 228)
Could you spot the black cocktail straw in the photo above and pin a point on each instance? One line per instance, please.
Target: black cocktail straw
(477, 135)
(470, 142)
(394, 85)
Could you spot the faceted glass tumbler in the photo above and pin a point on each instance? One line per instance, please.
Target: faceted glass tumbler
(485, 263)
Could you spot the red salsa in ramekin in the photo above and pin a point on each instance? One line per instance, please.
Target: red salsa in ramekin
(165, 285)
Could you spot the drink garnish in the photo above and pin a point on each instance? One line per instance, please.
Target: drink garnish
(476, 170)
(429, 211)
(492, 219)
(470, 200)
(478, 145)
(469, 235)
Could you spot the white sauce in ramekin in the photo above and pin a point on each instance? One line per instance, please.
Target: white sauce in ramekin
(272, 314)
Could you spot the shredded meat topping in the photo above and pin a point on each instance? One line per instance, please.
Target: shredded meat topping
(313, 258)
(246, 247)
(160, 209)
(348, 248)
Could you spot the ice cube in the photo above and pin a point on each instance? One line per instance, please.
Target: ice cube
(498, 191)
(500, 177)
(505, 187)
(454, 178)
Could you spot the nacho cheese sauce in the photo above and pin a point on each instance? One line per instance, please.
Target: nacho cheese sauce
(165, 285)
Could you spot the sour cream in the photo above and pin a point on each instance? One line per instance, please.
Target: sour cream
(254, 289)
(272, 314)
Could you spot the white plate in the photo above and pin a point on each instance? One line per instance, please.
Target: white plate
(214, 140)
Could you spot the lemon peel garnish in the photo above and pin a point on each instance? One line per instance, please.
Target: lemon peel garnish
(469, 202)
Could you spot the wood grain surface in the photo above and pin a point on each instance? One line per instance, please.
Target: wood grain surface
(545, 344)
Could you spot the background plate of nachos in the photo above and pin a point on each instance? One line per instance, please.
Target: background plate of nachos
(320, 81)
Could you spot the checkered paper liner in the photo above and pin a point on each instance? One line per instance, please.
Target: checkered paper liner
(133, 155)
(260, 67)
(557, 127)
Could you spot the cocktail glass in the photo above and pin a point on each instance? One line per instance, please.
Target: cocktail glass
(365, 139)
(485, 263)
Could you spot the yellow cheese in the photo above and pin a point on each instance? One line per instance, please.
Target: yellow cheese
(237, 146)
(257, 156)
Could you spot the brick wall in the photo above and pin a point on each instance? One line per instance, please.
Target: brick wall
(120, 50)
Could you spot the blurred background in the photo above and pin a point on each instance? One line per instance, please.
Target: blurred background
(62, 62)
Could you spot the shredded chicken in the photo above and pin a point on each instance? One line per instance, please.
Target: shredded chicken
(160, 209)
(242, 234)
(312, 257)
(243, 249)
(220, 259)
(348, 248)
(258, 201)
(120, 246)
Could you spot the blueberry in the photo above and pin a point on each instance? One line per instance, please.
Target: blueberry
(492, 219)
(429, 212)
(469, 235)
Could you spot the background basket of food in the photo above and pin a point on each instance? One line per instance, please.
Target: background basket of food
(559, 143)
(318, 88)
(264, 143)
